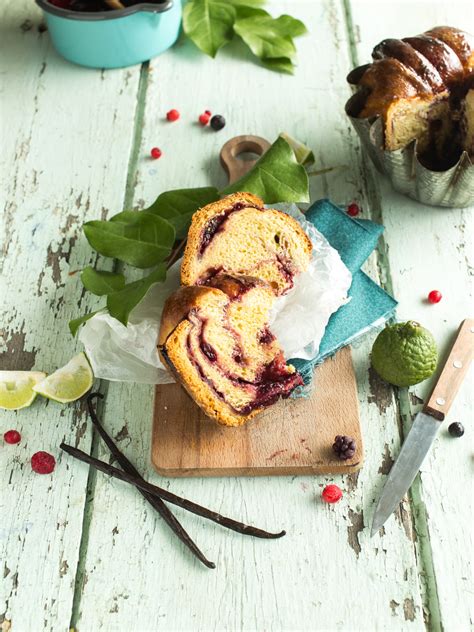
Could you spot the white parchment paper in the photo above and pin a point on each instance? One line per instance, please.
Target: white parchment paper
(298, 319)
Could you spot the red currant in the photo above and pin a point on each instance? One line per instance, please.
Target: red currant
(172, 115)
(155, 153)
(204, 118)
(208, 112)
(331, 494)
(435, 296)
(43, 463)
(12, 436)
(353, 209)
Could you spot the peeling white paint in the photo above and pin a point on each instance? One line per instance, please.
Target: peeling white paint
(65, 159)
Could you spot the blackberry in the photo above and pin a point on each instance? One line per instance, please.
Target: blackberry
(217, 122)
(456, 429)
(344, 447)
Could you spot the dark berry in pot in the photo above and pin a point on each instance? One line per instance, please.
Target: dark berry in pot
(88, 5)
(344, 447)
(456, 429)
(61, 4)
(217, 122)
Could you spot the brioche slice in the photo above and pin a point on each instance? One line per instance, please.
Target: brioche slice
(217, 343)
(236, 235)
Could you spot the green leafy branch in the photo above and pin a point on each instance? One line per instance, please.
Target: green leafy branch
(211, 24)
(153, 238)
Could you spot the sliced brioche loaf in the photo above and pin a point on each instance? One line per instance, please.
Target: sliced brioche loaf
(217, 343)
(237, 235)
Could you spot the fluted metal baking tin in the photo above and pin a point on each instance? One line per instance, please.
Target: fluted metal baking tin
(452, 188)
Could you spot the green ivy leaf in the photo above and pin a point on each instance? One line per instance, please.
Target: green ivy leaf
(138, 238)
(304, 155)
(288, 25)
(279, 64)
(208, 23)
(276, 177)
(100, 282)
(178, 206)
(121, 303)
(77, 322)
(244, 10)
(211, 24)
(269, 38)
(247, 3)
(264, 39)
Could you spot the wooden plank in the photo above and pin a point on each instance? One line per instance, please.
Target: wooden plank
(292, 437)
(430, 248)
(66, 138)
(326, 573)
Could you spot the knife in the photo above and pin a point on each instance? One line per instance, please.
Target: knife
(426, 424)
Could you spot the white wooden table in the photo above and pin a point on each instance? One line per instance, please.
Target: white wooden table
(80, 550)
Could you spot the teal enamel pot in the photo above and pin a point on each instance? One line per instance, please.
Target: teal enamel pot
(113, 39)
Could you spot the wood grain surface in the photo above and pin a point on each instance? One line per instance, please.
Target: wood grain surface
(80, 550)
(292, 437)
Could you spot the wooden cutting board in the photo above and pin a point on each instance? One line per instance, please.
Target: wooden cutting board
(293, 437)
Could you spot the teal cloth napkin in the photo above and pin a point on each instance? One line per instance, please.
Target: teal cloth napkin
(354, 239)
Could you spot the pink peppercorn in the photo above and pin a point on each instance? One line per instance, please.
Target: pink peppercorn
(353, 209)
(12, 437)
(172, 115)
(435, 296)
(331, 494)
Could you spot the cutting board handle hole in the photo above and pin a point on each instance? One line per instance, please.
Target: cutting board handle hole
(240, 153)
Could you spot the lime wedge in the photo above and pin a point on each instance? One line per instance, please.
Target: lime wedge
(16, 388)
(68, 383)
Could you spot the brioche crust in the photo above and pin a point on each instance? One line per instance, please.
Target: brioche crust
(416, 84)
(243, 250)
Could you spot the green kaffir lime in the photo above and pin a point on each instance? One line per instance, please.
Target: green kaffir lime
(404, 354)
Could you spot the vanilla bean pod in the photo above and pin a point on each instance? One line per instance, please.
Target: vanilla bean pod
(154, 501)
(169, 496)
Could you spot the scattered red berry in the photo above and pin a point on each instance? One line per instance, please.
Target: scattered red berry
(331, 494)
(12, 436)
(155, 153)
(43, 463)
(172, 115)
(435, 296)
(208, 112)
(204, 118)
(353, 209)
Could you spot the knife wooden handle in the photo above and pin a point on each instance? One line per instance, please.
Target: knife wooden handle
(453, 373)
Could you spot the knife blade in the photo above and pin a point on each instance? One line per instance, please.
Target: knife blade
(403, 472)
(425, 426)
